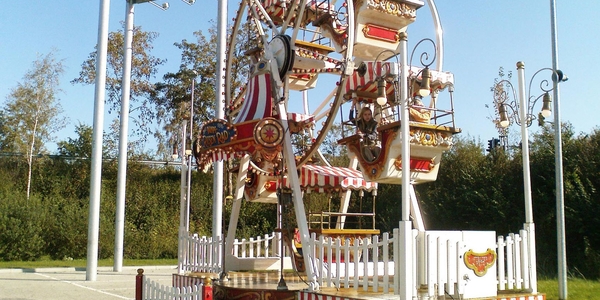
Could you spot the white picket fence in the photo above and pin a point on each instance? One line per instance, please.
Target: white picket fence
(266, 246)
(202, 254)
(365, 263)
(438, 268)
(368, 264)
(514, 262)
(154, 291)
(199, 254)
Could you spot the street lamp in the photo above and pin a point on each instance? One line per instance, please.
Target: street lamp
(521, 112)
(408, 87)
(163, 6)
(124, 129)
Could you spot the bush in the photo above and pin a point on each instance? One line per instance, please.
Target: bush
(21, 223)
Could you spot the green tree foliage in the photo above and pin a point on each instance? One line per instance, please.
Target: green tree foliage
(469, 186)
(81, 147)
(21, 236)
(32, 113)
(4, 138)
(144, 66)
(172, 95)
(475, 190)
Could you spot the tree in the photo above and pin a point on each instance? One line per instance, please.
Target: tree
(32, 111)
(80, 147)
(4, 142)
(172, 97)
(144, 67)
(198, 62)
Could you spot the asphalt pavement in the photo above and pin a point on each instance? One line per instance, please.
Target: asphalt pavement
(70, 283)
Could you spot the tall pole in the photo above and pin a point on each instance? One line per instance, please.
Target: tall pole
(189, 158)
(96, 169)
(405, 226)
(529, 225)
(560, 202)
(183, 216)
(123, 133)
(218, 166)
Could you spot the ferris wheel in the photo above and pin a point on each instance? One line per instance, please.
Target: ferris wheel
(290, 66)
(295, 46)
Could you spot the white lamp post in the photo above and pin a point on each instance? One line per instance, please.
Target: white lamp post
(96, 169)
(124, 130)
(522, 114)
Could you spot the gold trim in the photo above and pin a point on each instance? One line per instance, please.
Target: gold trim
(398, 163)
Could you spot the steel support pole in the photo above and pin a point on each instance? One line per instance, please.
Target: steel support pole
(189, 158)
(96, 169)
(123, 134)
(560, 201)
(183, 181)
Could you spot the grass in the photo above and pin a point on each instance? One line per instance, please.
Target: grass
(81, 263)
(579, 289)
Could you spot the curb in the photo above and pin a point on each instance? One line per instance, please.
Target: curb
(82, 269)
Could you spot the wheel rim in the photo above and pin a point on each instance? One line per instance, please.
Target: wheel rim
(308, 60)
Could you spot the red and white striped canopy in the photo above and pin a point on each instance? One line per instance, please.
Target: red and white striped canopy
(315, 177)
(258, 99)
(328, 179)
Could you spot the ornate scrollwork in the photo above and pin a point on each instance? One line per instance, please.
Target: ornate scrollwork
(394, 8)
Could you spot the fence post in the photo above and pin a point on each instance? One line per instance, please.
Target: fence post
(207, 289)
(139, 278)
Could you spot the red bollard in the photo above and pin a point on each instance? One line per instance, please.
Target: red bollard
(138, 284)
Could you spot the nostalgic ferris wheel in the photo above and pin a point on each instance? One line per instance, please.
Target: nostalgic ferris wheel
(344, 52)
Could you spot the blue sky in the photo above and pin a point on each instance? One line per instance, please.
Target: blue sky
(479, 37)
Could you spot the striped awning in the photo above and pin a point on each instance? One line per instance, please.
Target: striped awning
(327, 179)
(314, 177)
(258, 102)
(297, 117)
(368, 82)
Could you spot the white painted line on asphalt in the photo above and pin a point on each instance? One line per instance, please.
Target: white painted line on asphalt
(83, 286)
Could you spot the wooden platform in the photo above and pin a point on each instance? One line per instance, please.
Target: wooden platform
(258, 286)
(264, 286)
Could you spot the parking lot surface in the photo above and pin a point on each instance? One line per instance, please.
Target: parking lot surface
(70, 283)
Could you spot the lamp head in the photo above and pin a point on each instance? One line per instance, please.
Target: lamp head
(425, 88)
(174, 154)
(381, 96)
(504, 122)
(546, 105)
